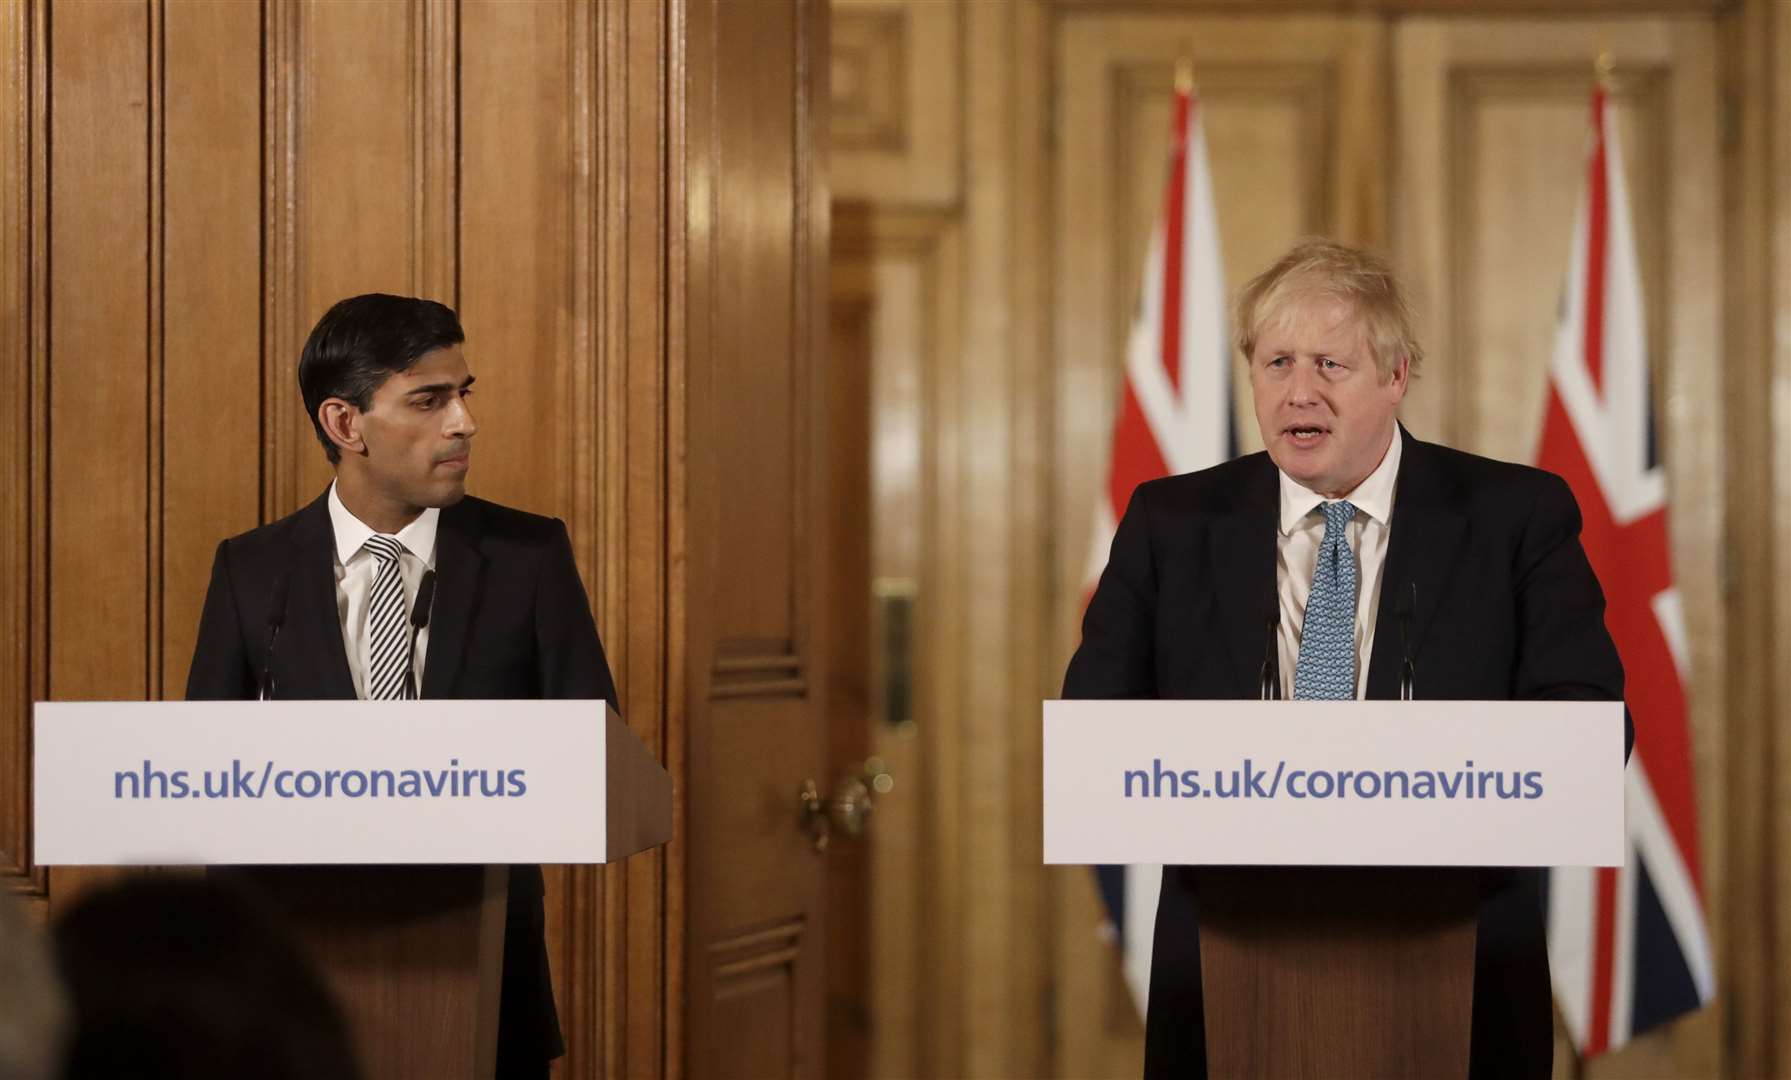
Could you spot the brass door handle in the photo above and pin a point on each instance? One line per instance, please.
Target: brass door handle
(850, 808)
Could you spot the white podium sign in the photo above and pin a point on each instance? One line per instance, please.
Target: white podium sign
(201, 783)
(1334, 783)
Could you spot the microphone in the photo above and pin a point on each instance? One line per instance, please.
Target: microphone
(276, 618)
(419, 612)
(1268, 683)
(1407, 603)
(419, 620)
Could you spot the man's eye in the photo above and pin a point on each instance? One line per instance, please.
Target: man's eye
(1329, 364)
(423, 404)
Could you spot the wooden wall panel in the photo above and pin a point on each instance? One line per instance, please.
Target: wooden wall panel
(1756, 88)
(1772, 103)
(100, 385)
(624, 499)
(24, 411)
(224, 171)
(361, 96)
(517, 247)
(210, 417)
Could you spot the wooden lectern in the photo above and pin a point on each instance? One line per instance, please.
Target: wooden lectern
(400, 900)
(414, 954)
(1354, 973)
(1331, 849)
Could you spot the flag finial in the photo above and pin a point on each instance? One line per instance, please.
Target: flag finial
(1184, 76)
(1605, 65)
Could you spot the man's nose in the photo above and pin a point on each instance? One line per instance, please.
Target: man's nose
(1302, 385)
(460, 420)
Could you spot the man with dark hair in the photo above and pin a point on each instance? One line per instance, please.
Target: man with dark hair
(318, 605)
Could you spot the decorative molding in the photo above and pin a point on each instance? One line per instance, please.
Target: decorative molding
(24, 405)
(155, 351)
(869, 86)
(282, 122)
(435, 200)
(743, 670)
(744, 962)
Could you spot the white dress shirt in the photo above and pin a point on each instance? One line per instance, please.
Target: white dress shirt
(1302, 527)
(355, 567)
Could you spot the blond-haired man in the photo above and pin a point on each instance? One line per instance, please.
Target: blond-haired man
(1344, 526)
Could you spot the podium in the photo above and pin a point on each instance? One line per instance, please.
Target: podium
(1356, 972)
(383, 831)
(1335, 850)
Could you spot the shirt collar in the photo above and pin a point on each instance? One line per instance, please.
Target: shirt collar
(1373, 496)
(418, 537)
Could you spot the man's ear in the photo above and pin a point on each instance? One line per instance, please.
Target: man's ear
(341, 421)
(1401, 377)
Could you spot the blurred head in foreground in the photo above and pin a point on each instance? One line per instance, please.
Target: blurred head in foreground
(186, 977)
(33, 1010)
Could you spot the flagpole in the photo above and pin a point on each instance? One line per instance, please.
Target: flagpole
(1184, 76)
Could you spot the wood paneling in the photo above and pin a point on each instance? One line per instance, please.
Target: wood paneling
(210, 304)
(363, 91)
(24, 408)
(1756, 369)
(1771, 105)
(220, 173)
(101, 349)
(517, 184)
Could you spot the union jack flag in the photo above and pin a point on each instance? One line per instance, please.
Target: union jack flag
(1629, 946)
(1175, 416)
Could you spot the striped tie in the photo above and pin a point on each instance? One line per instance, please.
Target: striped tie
(1326, 668)
(388, 629)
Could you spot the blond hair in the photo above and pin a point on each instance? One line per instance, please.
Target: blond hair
(1315, 266)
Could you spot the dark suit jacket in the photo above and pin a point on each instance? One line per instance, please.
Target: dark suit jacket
(1507, 608)
(509, 620)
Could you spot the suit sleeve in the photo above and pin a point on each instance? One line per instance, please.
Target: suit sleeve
(1564, 650)
(569, 656)
(1117, 657)
(220, 670)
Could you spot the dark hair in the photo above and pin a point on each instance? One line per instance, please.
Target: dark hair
(365, 340)
(187, 977)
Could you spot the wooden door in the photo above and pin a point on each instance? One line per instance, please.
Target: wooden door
(755, 658)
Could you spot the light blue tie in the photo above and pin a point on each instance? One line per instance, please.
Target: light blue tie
(1326, 669)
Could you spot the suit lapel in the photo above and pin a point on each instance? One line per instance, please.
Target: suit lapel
(1426, 540)
(1243, 572)
(458, 568)
(316, 651)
